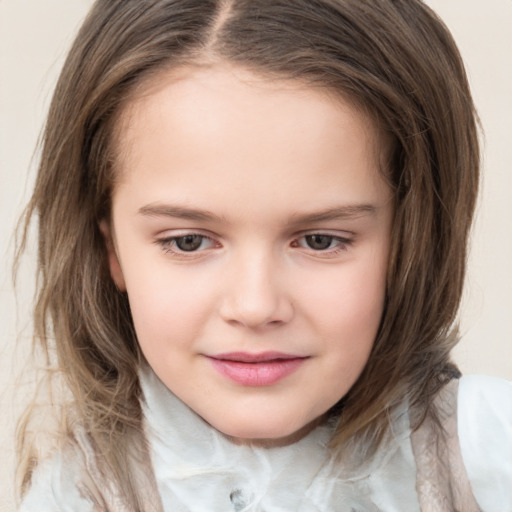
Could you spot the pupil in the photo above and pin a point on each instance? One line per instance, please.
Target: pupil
(319, 242)
(189, 242)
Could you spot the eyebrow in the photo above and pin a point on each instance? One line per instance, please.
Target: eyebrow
(343, 212)
(338, 213)
(167, 210)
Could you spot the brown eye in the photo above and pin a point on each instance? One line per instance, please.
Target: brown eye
(319, 242)
(189, 243)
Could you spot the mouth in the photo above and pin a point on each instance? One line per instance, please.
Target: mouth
(254, 370)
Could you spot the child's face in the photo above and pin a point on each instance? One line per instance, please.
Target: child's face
(251, 229)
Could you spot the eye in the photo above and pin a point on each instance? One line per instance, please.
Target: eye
(319, 242)
(323, 243)
(188, 243)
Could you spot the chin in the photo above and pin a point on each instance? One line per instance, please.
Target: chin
(252, 432)
(268, 434)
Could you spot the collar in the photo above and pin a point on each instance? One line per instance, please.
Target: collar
(198, 468)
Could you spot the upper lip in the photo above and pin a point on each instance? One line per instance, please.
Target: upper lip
(247, 357)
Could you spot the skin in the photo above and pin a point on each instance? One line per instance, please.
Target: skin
(270, 162)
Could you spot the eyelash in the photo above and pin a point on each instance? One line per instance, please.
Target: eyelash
(169, 244)
(342, 244)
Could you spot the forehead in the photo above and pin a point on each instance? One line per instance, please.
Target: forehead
(205, 96)
(225, 133)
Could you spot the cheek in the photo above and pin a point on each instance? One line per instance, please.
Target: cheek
(353, 296)
(348, 321)
(167, 308)
(348, 308)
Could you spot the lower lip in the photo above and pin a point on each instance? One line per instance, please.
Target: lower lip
(263, 373)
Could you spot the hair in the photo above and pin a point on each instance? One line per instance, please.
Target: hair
(395, 58)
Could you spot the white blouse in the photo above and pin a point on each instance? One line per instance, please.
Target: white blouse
(198, 469)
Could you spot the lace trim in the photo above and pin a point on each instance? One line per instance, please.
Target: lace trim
(442, 483)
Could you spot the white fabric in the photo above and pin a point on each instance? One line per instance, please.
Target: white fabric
(198, 470)
(485, 436)
(54, 487)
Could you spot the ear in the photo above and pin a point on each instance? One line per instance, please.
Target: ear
(113, 261)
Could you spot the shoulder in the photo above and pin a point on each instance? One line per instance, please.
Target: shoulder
(56, 486)
(484, 419)
(68, 479)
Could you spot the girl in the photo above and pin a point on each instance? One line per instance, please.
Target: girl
(253, 221)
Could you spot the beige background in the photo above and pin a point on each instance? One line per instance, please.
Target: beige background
(34, 36)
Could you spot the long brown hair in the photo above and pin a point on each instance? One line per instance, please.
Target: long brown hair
(394, 58)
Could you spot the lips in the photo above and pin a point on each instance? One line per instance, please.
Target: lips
(263, 369)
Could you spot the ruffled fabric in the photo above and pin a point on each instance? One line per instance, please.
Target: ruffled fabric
(199, 469)
(54, 487)
(485, 435)
(191, 467)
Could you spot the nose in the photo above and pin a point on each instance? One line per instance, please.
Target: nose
(255, 294)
